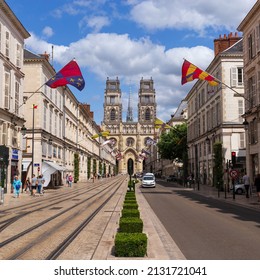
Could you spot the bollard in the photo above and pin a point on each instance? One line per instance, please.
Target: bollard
(1, 195)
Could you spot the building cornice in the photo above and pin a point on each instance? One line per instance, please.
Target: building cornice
(15, 21)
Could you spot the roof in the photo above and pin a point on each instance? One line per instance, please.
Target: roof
(236, 48)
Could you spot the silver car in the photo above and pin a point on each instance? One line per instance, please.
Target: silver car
(148, 181)
(239, 188)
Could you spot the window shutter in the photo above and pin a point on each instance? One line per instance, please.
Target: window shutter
(233, 77)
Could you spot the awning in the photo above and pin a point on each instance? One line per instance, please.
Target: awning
(48, 168)
(25, 164)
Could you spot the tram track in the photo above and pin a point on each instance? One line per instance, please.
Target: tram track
(82, 213)
(51, 201)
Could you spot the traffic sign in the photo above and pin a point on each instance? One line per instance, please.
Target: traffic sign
(233, 174)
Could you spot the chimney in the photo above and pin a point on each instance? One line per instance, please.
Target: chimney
(223, 43)
(46, 56)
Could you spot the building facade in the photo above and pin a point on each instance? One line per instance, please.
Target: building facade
(12, 36)
(129, 137)
(250, 26)
(215, 113)
(59, 129)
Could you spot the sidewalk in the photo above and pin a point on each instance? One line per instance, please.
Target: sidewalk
(228, 197)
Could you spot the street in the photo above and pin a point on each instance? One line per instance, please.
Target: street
(205, 227)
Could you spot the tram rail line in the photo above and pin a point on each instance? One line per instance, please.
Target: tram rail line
(43, 235)
(51, 201)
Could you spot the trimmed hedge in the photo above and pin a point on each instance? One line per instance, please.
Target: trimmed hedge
(128, 205)
(130, 244)
(130, 198)
(130, 224)
(130, 213)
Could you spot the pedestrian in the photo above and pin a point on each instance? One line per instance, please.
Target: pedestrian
(34, 185)
(40, 184)
(70, 179)
(246, 182)
(257, 185)
(17, 186)
(67, 180)
(27, 185)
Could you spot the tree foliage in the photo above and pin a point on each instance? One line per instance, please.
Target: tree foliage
(218, 165)
(173, 144)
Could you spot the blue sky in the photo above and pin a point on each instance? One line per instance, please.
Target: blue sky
(129, 39)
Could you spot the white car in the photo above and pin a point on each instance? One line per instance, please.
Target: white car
(148, 180)
(239, 188)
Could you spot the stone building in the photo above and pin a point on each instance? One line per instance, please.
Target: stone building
(215, 112)
(12, 36)
(250, 26)
(59, 129)
(129, 136)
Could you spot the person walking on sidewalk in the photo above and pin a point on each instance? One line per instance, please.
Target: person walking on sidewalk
(246, 182)
(70, 180)
(34, 185)
(257, 185)
(17, 186)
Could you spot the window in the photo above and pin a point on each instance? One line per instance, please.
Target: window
(7, 90)
(240, 110)
(112, 100)
(253, 131)
(7, 44)
(251, 91)
(51, 114)
(45, 116)
(251, 45)
(147, 114)
(4, 134)
(113, 115)
(17, 90)
(236, 76)
(257, 38)
(54, 151)
(55, 124)
(18, 55)
(44, 148)
(14, 139)
(130, 142)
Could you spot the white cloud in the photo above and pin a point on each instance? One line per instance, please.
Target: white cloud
(47, 32)
(112, 55)
(194, 15)
(96, 23)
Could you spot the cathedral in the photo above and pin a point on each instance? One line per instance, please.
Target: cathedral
(130, 137)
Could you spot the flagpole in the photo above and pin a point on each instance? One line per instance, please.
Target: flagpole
(32, 145)
(31, 95)
(241, 95)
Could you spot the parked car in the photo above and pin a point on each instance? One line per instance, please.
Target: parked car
(171, 178)
(239, 188)
(148, 180)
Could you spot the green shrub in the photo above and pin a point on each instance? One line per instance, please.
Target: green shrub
(130, 197)
(130, 213)
(130, 224)
(130, 194)
(130, 205)
(130, 244)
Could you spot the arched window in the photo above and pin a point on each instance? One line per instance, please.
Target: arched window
(112, 114)
(147, 114)
(130, 142)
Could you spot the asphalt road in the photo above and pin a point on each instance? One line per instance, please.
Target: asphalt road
(206, 228)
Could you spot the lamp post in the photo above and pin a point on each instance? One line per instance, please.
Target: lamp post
(34, 107)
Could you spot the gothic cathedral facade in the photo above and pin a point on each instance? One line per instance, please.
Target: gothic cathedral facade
(129, 137)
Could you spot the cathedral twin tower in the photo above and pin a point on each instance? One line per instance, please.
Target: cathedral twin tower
(129, 137)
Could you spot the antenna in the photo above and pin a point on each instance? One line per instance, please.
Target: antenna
(52, 47)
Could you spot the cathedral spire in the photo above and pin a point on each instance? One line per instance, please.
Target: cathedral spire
(129, 116)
